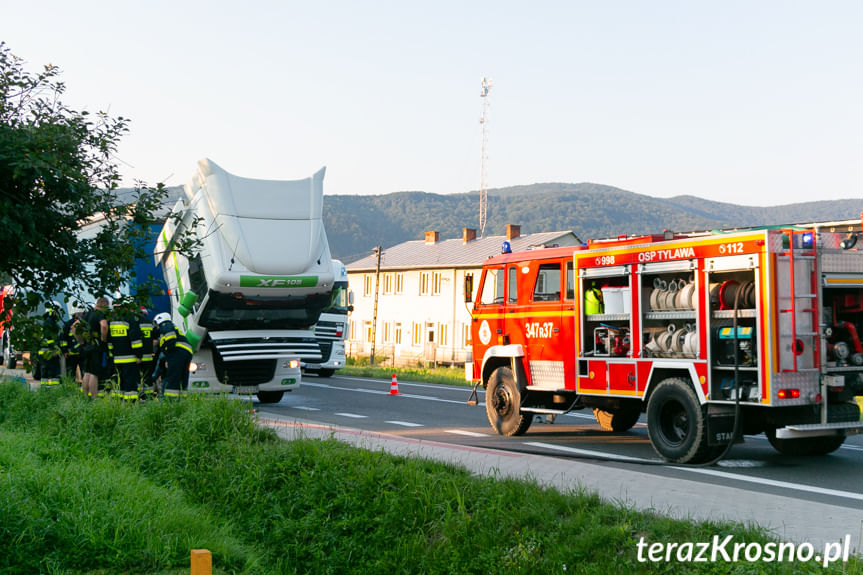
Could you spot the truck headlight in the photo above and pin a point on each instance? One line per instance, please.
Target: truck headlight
(292, 363)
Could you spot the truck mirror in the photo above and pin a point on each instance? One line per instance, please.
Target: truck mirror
(351, 297)
(468, 288)
(187, 303)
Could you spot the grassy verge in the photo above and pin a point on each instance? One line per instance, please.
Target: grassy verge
(101, 487)
(446, 375)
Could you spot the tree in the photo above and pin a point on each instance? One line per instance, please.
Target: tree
(58, 173)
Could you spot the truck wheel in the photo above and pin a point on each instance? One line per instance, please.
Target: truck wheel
(676, 423)
(503, 402)
(805, 446)
(326, 372)
(622, 420)
(270, 396)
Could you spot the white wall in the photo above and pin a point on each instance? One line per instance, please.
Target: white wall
(444, 312)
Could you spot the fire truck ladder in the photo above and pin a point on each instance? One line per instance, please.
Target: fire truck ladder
(807, 300)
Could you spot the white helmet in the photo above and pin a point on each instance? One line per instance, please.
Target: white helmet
(162, 318)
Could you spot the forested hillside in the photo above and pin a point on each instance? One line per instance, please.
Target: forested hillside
(355, 224)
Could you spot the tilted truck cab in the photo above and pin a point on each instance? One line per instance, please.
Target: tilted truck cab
(754, 331)
(248, 297)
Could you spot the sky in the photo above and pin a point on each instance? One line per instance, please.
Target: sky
(756, 102)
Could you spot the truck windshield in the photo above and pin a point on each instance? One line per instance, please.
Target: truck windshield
(339, 301)
(233, 311)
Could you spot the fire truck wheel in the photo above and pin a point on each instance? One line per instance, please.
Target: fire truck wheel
(622, 420)
(805, 446)
(676, 423)
(502, 403)
(270, 396)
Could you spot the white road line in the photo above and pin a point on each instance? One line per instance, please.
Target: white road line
(468, 433)
(587, 452)
(405, 423)
(713, 473)
(354, 415)
(304, 408)
(361, 390)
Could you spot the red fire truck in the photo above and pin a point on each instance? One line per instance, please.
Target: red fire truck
(713, 336)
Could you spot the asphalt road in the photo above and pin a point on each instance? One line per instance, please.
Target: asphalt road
(440, 413)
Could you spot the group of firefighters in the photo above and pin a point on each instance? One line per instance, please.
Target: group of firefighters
(119, 348)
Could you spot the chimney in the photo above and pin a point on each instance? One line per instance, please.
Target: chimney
(512, 231)
(432, 238)
(468, 235)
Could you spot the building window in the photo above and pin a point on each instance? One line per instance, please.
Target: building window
(465, 335)
(443, 334)
(354, 332)
(388, 332)
(400, 283)
(436, 281)
(417, 335)
(367, 328)
(368, 284)
(425, 283)
(397, 333)
(388, 283)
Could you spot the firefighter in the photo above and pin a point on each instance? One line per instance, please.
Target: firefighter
(71, 348)
(124, 347)
(49, 348)
(148, 361)
(93, 336)
(176, 354)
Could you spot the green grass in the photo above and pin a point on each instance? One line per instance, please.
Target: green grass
(100, 488)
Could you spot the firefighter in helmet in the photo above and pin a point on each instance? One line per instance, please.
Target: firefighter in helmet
(174, 353)
(124, 347)
(147, 354)
(49, 348)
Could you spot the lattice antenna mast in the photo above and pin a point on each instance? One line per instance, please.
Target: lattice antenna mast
(483, 185)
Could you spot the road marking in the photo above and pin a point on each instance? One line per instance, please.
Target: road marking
(361, 390)
(712, 472)
(304, 408)
(405, 423)
(468, 433)
(354, 415)
(587, 452)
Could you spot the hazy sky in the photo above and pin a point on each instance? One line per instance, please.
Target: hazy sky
(751, 102)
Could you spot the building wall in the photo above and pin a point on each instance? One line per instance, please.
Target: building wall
(422, 316)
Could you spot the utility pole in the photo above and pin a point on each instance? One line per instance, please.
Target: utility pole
(483, 186)
(378, 252)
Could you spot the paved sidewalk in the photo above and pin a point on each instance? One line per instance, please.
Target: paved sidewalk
(789, 518)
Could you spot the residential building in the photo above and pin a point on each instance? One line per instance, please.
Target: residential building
(422, 316)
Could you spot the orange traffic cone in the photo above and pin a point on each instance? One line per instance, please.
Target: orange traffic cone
(394, 386)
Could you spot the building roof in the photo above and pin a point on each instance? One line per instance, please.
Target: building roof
(418, 254)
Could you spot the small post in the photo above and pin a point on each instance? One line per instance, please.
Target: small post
(202, 562)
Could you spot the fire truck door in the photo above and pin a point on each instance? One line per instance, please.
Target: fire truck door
(542, 325)
(488, 313)
(512, 321)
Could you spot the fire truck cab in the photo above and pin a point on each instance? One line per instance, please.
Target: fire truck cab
(712, 335)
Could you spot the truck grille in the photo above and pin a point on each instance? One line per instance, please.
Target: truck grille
(232, 349)
(245, 372)
(329, 330)
(326, 348)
